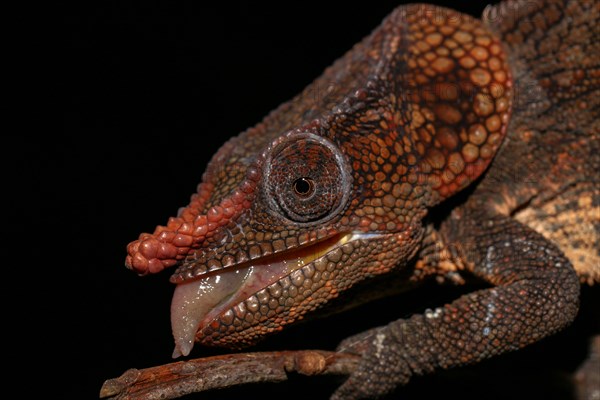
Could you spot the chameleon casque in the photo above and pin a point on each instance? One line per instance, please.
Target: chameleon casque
(321, 196)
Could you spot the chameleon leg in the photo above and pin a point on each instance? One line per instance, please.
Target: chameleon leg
(535, 293)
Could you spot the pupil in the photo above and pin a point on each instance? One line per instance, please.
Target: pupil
(302, 186)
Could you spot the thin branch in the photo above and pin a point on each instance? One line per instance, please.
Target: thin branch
(177, 379)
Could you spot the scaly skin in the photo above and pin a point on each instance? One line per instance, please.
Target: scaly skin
(418, 111)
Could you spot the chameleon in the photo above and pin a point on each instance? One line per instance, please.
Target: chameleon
(441, 145)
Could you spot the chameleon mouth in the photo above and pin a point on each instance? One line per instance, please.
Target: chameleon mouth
(198, 302)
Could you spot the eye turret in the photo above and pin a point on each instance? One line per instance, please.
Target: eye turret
(307, 181)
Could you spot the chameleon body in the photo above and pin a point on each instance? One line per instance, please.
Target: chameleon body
(322, 195)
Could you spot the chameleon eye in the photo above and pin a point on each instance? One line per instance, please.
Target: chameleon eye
(304, 187)
(306, 179)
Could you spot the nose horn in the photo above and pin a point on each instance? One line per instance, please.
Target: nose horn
(153, 252)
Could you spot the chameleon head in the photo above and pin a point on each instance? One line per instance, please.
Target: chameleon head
(318, 197)
(281, 243)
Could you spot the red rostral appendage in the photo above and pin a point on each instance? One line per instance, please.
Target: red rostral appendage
(169, 244)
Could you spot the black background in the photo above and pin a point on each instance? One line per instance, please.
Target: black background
(152, 90)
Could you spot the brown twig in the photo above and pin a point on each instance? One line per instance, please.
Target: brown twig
(177, 379)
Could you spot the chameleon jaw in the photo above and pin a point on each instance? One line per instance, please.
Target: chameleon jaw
(197, 303)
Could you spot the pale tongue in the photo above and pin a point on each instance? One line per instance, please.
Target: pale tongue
(193, 300)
